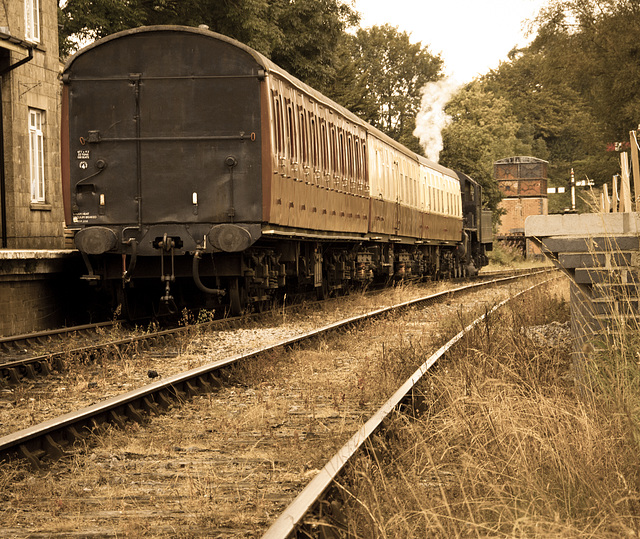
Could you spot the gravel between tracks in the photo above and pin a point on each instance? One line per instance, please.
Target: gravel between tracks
(223, 464)
(35, 401)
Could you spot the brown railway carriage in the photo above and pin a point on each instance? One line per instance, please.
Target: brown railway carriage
(332, 172)
(412, 197)
(318, 178)
(186, 145)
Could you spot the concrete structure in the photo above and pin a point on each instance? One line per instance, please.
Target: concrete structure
(38, 290)
(30, 188)
(600, 252)
(523, 183)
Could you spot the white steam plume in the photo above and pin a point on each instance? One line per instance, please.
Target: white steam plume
(431, 119)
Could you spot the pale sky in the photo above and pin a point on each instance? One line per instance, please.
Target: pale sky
(471, 35)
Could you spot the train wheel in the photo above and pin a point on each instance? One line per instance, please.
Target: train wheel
(237, 297)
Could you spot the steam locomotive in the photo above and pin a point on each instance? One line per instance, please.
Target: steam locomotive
(200, 172)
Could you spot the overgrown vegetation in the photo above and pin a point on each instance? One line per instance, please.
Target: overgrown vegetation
(509, 255)
(508, 445)
(505, 255)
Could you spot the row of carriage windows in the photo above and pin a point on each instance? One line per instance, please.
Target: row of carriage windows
(329, 155)
(325, 153)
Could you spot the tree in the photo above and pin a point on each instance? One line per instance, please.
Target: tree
(301, 36)
(483, 129)
(311, 33)
(576, 85)
(391, 70)
(555, 118)
(596, 42)
(246, 20)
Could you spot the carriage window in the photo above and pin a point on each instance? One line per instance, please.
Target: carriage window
(358, 164)
(341, 163)
(325, 147)
(387, 174)
(277, 113)
(364, 166)
(334, 150)
(292, 145)
(379, 173)
(314, 143)
(349, 157)
(304, 142)
(290, 136)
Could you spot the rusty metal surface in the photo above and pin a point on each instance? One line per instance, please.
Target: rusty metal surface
(149, 142)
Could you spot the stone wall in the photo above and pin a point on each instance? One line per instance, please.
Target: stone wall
(38, 290)
(33, 85)
(601, 255)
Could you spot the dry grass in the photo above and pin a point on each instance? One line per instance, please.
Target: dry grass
(282, 417)
(507, 446)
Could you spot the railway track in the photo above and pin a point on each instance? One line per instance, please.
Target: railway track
(24, 356)
(90, 341)
(312, 513)
(207, 411)
(51, 437)
(18, 362)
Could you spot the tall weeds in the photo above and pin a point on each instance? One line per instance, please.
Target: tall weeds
(508, 447)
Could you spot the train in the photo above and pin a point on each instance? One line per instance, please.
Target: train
(197, 171)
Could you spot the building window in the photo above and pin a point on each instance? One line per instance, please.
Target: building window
(36, 155)
(32, 20)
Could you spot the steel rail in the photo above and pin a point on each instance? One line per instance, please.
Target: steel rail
(14, 370)
(4, 341)
(51, 437)
(43, 364)
(291, 518)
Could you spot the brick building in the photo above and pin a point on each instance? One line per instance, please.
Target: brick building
(30, 191)
(523, 184)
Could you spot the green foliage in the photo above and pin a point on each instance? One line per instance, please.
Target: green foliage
(597, 43)
(302, 36)
(505, 254)
(311, 33)
(483, 129)
(564, 98)
(382, 74)
(574, 89)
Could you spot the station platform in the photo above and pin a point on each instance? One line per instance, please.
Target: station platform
(600, 252)
(39, 289)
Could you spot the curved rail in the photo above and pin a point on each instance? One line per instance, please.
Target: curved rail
(309, 501)
(50, 438)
